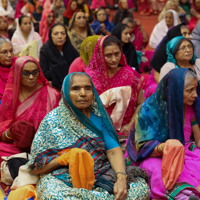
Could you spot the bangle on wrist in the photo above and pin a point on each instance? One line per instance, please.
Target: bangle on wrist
(6, 134)
(121, 173)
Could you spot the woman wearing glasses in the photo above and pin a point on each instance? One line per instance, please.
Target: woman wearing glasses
(6, 62)
(26, 100)
(180, 51)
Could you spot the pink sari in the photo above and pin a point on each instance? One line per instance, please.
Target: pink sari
(19, 6)
(43, 27)
(4, 74)
(33, 109)
(126, 77)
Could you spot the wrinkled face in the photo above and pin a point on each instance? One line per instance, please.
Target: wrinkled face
(80, 2)
(73, 5)
(80, 20)
(190, 92)
(124, 4)
(81, 93)
(58, 35)
(185, 52)
(3, 24)
(169, 19)
(112, 55)
(131, 27)
(185, 32)
(4, 4)
(197, 3)
(125, 36)
(26, 25)
(6, 54)
(50, 18)
(31, 81)
(101, 16)
(58, 3)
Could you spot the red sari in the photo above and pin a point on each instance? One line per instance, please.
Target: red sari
(126, 78)
(33, 109)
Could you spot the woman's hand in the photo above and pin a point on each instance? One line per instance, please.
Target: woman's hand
(120, 187)
(126, 129)
(6, 137)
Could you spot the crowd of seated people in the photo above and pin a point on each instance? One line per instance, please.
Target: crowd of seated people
(94, 107)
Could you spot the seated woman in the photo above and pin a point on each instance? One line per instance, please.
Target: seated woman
(96, 4)
(195, 14)
(82, 125)
(101, 24)
(86, 52)
(160, 57)
(6, 10)
(144, 8)
(71, 9)
(79, 30)
(180, 53)
(26, 100)
(7, 60)
(31, 6)
(19, 6)
(196, 40)
(121, 31)
(57, 55)
(165, 117)
(111, 75)
(186, 5)
(47, 21)
(82, 6)
(48, 4)
(139, 38)
(122, 12)
(157, 6)
(59, 9)
(24, 35)
(4, 31)
(160, 29)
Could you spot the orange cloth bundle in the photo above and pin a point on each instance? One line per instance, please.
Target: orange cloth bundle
(81, 167)
(172, 162)
(23, 193)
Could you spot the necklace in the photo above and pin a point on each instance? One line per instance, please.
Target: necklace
(29, 95)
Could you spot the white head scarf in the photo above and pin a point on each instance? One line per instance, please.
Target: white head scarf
(161, 29)
(9, 12)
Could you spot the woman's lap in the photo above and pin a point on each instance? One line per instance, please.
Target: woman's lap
(51, 188)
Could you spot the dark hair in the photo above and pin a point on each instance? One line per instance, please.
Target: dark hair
(57, 24)
(98, 11)
(40, 7)
(89, 32)
(21, 18)
(117, 30)
(81, 6)
(111, 40)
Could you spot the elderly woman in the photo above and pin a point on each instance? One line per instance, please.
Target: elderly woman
(81, 127)
(180, 53)
(101, 24)
(165, 123)
(24, 36)
(86, 52)
(6, 62)
(27, 99)
(160, 57)
(47, 21)
(118, 85)
(121, 31)
(59, 9)
(79, 30)
(160, 29)
(57, 55)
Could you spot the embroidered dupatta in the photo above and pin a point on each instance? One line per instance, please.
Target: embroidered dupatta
(67, 127)
(126, 76)
(34, 108)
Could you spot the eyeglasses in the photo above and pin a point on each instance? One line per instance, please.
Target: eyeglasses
(101, 14)
(190, 47)
(27, 74)
(5, 53)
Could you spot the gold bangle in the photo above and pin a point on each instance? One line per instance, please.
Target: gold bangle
(7, 135)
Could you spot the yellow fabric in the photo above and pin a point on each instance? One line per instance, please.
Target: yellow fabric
(81, 167)
(23, 193)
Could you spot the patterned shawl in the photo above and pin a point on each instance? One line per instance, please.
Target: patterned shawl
(34, 108)
(126, 76)
(160, 117)
(172, 47)
(67, 127)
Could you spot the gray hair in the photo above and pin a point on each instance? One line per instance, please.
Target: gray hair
(188, 76)
(4, 40)
(128, 20)
(78, 74)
